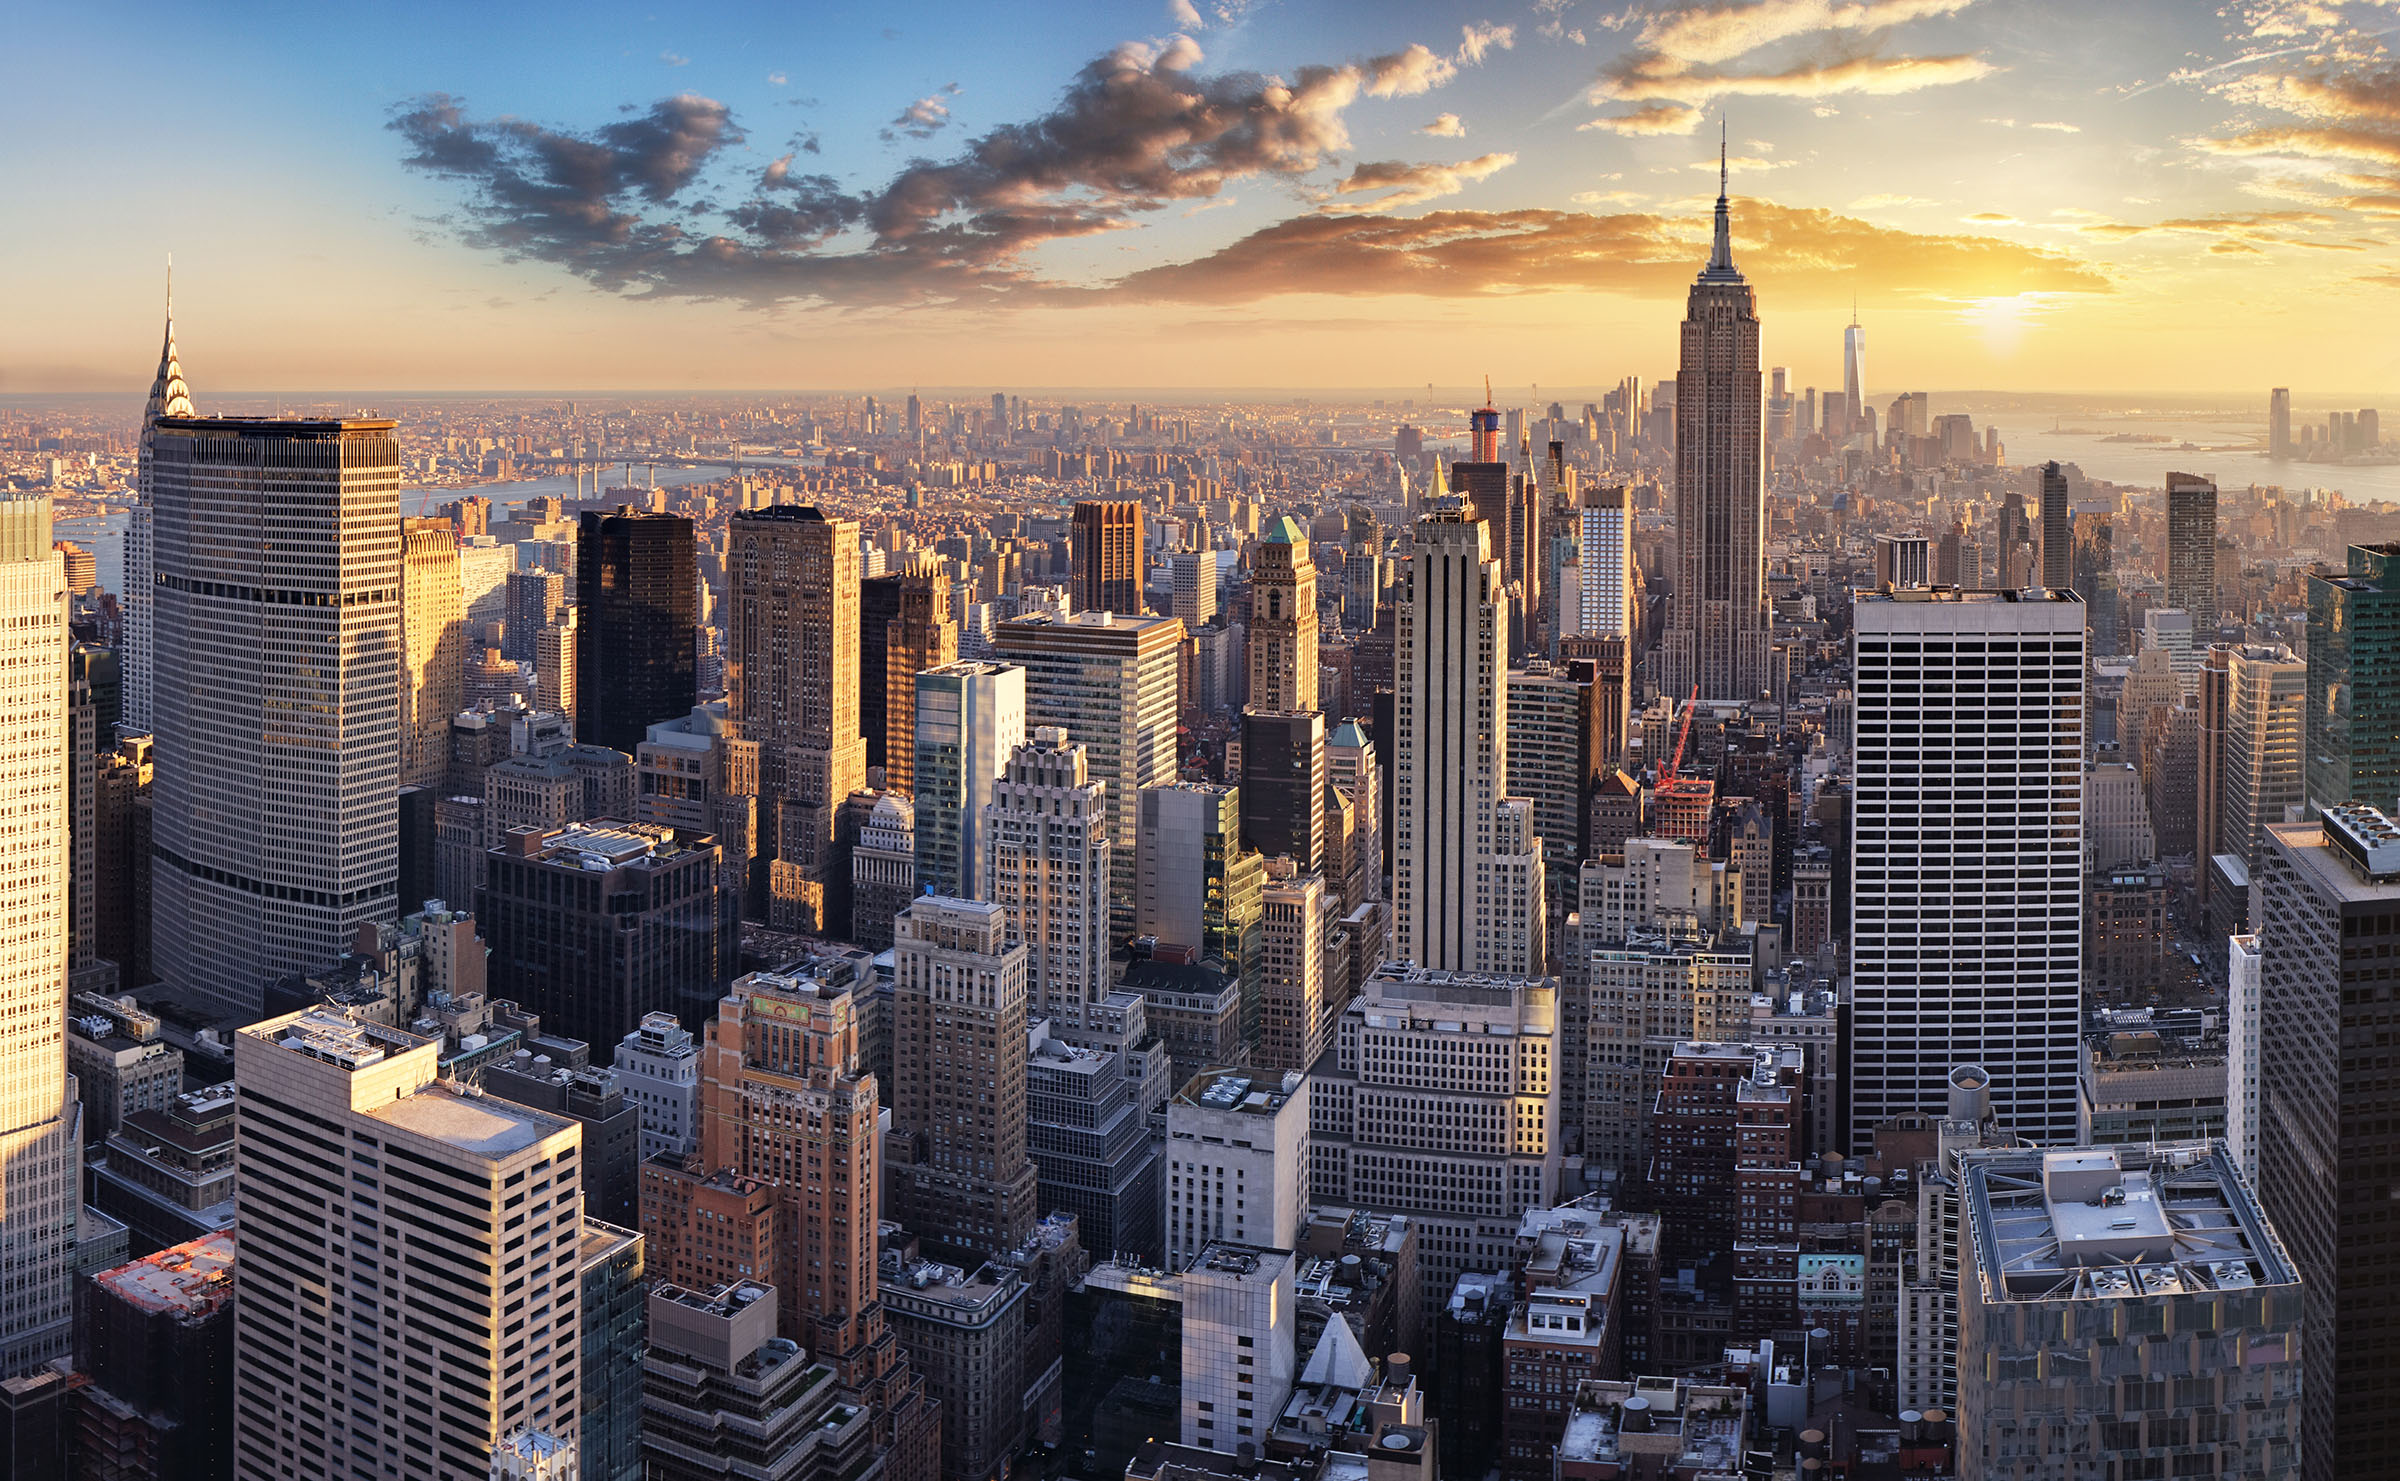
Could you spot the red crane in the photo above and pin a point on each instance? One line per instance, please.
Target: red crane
(1685, 734)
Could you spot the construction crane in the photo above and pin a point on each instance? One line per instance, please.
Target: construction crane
(1685, 734)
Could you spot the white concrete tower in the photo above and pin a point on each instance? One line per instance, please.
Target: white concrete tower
(40, 1146)
(1451, 764)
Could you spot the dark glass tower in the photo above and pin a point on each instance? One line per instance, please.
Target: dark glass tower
(635, 662)
(2354, 682)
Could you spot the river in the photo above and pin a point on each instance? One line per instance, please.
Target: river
(2146, 464)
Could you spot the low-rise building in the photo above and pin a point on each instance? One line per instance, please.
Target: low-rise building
(159, 1353)
(725, 1399)
(1237, 1161)
(1656, 1429)
(119, 1062)
(1563, 1332)
(168, 1174)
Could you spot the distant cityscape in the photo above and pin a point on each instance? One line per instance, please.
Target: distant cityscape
(1730, 929)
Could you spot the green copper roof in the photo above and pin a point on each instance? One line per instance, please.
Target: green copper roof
(1284, 530)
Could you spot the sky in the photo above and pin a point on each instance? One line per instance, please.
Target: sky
(2109, 196)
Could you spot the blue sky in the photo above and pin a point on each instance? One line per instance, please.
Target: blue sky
(2018, 193)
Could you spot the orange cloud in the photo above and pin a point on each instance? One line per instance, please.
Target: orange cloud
(1793, 254)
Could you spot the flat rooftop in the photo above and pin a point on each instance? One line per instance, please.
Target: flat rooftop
(1235, 1090)
(2117, 1222)
(484, 1125)
(190, 1280)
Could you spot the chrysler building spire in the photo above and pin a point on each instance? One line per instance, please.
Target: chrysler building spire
(169, 395)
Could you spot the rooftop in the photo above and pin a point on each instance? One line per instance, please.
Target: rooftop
(1236, 1090)
(1662, 1418)
(190, 1280)
(337, 1038)
(481, 1124)
(2117, 1222)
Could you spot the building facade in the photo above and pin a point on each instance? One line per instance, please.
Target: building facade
(351, 1149)
(1967, 855)
(1717, 637)
(637, 611)
(272, 838)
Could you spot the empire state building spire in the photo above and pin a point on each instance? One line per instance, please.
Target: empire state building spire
(1720, 267)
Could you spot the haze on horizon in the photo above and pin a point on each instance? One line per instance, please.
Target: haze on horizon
(2019, 195)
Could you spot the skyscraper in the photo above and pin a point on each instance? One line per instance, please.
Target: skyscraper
(596, 925)
(2279, 422)
(1717, 634)
(970, 718)
(1195, 573)
(2057, 531)
(2192, 551)
(1283, 620)
(783, 1042)
(2354, 682)
(792, 651)
(905, 626)
(1967, 871)
(277, 702)
(1107, 548)
(1283, 784)
(1045, 859)
(2059, 1251)
(2257, 762)
(169, 397)
(956, 1151)
(433, 649)
(1111, 682)
(40, 1152)
(353, 1152)
(2329, 923)
(1397, 1147)
(636, 656)
(1854, 367)
(1295, 1020)
(1451, 711)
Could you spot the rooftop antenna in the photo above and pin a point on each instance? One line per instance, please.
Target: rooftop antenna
(1724, 177)
(1487, 390)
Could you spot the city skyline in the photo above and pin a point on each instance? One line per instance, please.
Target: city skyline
(1127, 196)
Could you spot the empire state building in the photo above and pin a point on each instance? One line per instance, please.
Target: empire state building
(1717, 635)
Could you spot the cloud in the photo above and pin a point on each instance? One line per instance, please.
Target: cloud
(2235, 249)
(1881, 202)
(777, 79)
(1681, 57)
(2343, 118)
(1706, 35)
(1651, 118)
(2058, 128)
(921, 119)
(1445, 126)
(2233, 231)
(1478, 38)
(1992, 218)
(1412, 184)
(1796, 254)
(674, 60)
(1873, 76)
(1404, 74)
(1135, 131)
(1184, 14)
(1745, 164)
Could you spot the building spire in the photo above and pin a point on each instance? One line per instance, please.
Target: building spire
(170, 396)
(1720, 256)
